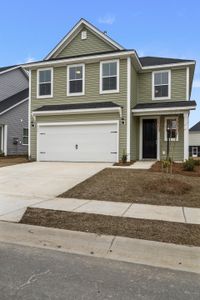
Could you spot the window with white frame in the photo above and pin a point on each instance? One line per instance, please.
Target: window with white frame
(171, 129)
(75, 80)
(109, 76)
(25, 136)
(195, 151)
(45, 83)
(161, 85)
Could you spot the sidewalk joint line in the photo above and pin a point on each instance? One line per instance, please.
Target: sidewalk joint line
(184, 214)
(126, 209)
(81, 204)
(111, 243)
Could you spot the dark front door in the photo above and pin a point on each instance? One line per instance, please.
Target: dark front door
(150, 138)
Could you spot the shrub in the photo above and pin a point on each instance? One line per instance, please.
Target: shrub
(189, 164)
(124, 157)
(197, 162)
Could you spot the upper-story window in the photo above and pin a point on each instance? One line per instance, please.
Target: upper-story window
(161, 85)
(45, 83)
(76, 80)
(109, 76)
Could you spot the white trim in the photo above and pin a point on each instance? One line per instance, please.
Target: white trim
(169, 65)
(141, 136)
(75, 28)
(29, 116)
(2, 138)
(160, 110)
(79, 123)
(5, 135)
(77, 111)
(128, 133)
(6, 110)
(75, 60)
(44, 96)
(186, 135)
(83, 79)
(188, 83)
(101, 91)
(177, 129)
(169, 85)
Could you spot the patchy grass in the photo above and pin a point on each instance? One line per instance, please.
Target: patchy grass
(124, 185)
(161, 231)
(12, 160)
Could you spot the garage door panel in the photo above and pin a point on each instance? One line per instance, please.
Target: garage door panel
(97, 142)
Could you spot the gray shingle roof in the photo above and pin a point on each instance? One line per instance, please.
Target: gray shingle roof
(77, 106)
(13, 100)
(148, 61)
(165, 104)
(196, 127)
(6, 68)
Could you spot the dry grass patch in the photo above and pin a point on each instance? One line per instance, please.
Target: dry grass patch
(123, 185)
(161, 231)
(13, 160)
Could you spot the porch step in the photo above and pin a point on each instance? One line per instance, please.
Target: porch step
(142, 165)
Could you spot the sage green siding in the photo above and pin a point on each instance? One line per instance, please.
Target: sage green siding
(176, 147)
(194, 138)
(178, 86)
(78, 46)
(91, 95)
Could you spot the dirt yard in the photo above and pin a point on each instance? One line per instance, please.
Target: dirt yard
(161, 231)
(123, 185)
(177, 168)
(12, 160)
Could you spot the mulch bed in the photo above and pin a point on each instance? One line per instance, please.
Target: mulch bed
(125, 185)
(125, 164)
(161, 231)
(12, 160)
(177, 168)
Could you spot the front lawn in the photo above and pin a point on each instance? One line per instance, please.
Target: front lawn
(124, 185)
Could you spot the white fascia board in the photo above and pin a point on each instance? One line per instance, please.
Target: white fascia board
(93, 28)
(80, 59)
(163, 111)
(77, 111)
(11, 69)
(169, 66)
(17, 104)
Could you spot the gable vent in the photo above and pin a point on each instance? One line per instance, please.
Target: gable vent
(84, 35)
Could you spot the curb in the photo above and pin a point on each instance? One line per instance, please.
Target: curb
(156, 254)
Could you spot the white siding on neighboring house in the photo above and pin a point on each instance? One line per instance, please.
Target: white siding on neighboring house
(194, 138)
(12, 82)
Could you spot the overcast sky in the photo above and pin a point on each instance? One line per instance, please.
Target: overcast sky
(30, 29)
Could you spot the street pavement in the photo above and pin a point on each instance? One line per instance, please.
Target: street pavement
(29, 273)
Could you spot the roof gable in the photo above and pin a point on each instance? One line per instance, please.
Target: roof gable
(96, 39)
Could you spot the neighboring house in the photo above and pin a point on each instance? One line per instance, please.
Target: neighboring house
(93, 100)
(13, 111)
(194, 140)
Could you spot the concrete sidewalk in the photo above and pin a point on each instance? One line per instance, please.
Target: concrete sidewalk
(121, 209)
(151, 253)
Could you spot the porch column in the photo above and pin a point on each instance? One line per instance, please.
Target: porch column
(5, 133)
(186, 135)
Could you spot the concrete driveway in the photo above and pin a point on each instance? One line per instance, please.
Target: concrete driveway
(27, 184)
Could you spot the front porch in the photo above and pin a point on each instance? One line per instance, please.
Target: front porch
(163, 130)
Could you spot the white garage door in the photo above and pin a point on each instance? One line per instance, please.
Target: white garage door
(78, 143)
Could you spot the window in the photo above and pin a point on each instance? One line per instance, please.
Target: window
(171, 129)
(109, 77)
(161, 85)
(76, 80)
(25, 136)
(194, 151)
(44, 86)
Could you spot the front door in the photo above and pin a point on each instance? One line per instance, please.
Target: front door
(149, 138)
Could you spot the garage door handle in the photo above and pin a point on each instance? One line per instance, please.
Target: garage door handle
(76, 146)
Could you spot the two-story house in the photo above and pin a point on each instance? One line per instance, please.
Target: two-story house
(14, 93)
(93, 100)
